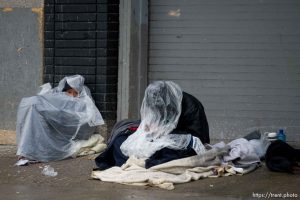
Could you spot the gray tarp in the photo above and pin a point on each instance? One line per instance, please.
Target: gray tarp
(50, 124)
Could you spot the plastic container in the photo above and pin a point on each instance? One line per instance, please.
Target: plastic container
(272, 136)
(281, 135)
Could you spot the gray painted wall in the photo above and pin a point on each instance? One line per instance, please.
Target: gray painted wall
(133, 48)
(241, 58)
(21, 54)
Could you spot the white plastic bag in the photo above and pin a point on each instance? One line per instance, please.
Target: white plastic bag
(198, 146)
(142, 145)
(49, 171)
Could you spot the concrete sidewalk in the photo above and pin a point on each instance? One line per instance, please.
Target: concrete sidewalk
(7, 137)
(73, 182)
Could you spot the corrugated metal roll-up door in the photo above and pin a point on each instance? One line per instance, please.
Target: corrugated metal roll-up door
(240, 58)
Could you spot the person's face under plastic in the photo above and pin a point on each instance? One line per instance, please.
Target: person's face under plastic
(72, 93)
(160, 101)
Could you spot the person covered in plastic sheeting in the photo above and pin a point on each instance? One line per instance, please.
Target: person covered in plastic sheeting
(160, 112)
(173, 125)
(50, 124)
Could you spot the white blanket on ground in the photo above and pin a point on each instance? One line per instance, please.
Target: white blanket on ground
(166, 175)
(95, 144)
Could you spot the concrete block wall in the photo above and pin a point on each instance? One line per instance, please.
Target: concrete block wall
(21, 57)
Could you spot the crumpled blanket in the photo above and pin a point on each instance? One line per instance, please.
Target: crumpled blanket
(165, 175)
(242, 152)
(94, 145)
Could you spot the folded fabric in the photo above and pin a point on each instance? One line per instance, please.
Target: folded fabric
(253, 135)
(165, 155)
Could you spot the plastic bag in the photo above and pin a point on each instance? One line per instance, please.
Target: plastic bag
(143, 146)
(198, 146)
(49, 171)
(49, 124)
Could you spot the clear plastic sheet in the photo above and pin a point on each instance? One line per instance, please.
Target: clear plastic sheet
(160, 111)
(49, 171)
(50, 123)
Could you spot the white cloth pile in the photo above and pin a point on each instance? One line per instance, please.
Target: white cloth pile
(177, 171)
(95, 144)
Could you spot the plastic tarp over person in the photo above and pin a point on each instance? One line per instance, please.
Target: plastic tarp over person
(160, 113)
(50, 124)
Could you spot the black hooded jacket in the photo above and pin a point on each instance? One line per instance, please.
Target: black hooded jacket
(193, 119)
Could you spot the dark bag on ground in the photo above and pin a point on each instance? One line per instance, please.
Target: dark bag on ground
(281, 157)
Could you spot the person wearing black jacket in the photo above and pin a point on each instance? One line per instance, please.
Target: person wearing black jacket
(192, 120)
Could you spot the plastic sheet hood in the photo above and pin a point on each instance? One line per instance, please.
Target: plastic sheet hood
(76, 82)
(160, 111)
(161, 108)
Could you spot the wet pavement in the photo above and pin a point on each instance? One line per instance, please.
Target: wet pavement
(73, 182)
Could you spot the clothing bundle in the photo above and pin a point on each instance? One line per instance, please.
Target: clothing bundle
(167, 167)
(281, 157)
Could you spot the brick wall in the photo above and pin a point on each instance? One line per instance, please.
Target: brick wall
(81, 37)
